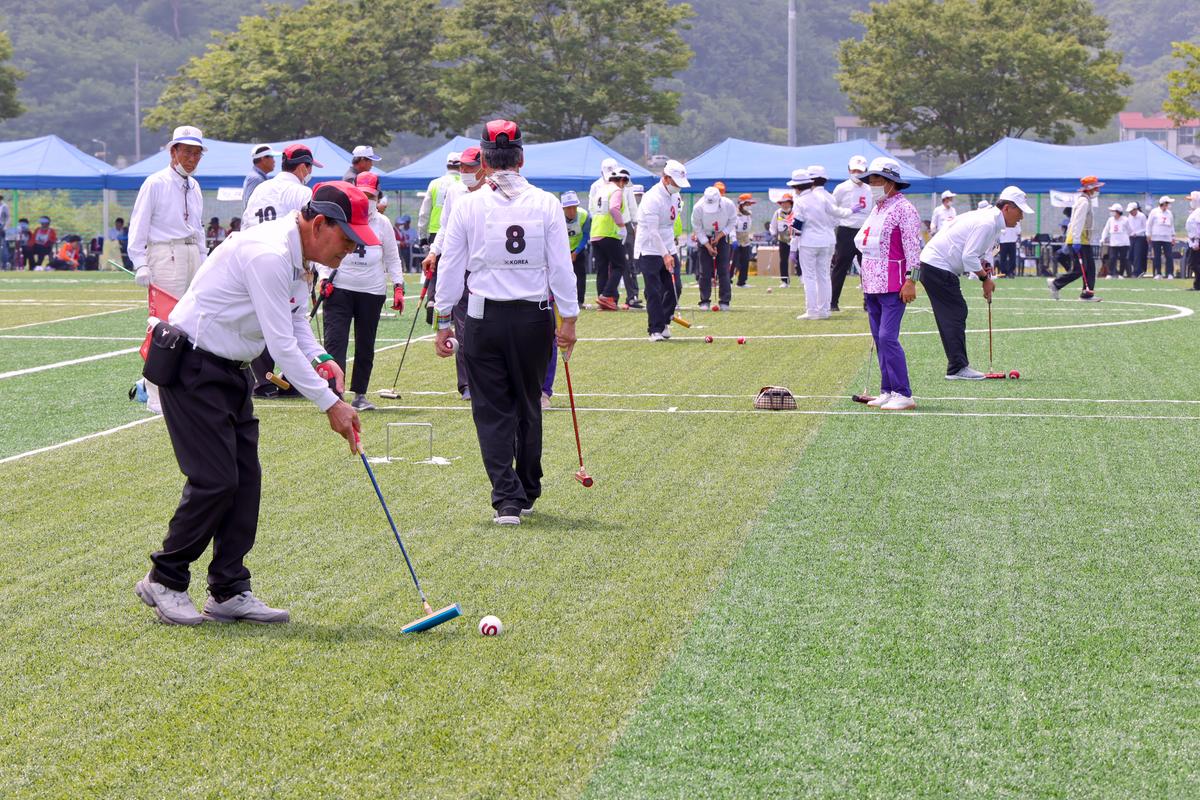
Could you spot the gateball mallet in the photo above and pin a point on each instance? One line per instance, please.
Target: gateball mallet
(991, 373)
(864, 397)
(392, 394)
(432, 618)
(584, 479)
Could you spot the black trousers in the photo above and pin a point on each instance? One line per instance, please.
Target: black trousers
(506, 366)
(579, 261)
(39, 253)
(844, 253)
(458, 315)
(660, 293)
(785, 252)
(342, 308)
(1008, 259)
(1163, 250)
(1083, 265)
(608, 256)
(705, 274)
(1118, 260)
(1138, 246)
(742, 263)
(631, 265)
(1194, 266)
(950, 313)
(211, 422)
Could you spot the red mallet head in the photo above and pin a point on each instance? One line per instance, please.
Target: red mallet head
(861, 398)
(708, 340)
(584, 478)
(741, 340)
(1014, 374)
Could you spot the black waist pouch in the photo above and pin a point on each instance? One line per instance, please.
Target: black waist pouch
(167, 347)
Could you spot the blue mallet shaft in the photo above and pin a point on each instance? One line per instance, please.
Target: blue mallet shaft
(395, 532)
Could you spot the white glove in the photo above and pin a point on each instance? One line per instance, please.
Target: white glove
(142, 277)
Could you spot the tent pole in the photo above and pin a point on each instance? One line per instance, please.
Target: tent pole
(1039, 215)
(104, 225)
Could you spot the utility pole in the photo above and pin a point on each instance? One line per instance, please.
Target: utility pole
(791, 74)
(137, 112)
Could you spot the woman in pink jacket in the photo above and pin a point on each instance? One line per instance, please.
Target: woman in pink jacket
(890, 242)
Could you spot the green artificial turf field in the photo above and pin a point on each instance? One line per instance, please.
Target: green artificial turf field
(995, 595)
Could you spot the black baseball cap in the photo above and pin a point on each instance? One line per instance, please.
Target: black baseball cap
(346, 205)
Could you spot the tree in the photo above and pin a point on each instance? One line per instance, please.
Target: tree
(957, 75)
(563, 68)
(355, 72)
(1183, 100)
(9, 76)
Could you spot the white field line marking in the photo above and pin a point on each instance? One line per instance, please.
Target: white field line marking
(73, 304)
(126, 426)
(1179, 313)
(72, 338)
(30, 370)
(276, 406)
(69, 319)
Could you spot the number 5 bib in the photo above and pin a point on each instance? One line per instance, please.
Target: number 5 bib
(515, 238)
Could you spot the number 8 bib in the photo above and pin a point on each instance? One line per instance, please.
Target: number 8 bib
(515, 238)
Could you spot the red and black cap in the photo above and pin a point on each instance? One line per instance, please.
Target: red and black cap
(348, 207)
(470, 157)
(500, 134)
(367, 182)
(299, 154)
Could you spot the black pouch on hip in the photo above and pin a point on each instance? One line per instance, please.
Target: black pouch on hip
(167, 346)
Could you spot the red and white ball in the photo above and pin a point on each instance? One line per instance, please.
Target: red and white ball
(491, 626)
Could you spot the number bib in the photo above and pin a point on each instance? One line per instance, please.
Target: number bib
(518, 241)
(868, 238)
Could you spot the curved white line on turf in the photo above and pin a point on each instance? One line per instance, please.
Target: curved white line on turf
(1179, 313)
(108, 432)
(69, 319)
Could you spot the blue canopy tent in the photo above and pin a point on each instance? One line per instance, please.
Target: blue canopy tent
(553, 166)
(756, 167)
(1132, 167)
(48, 162)
(228, 163)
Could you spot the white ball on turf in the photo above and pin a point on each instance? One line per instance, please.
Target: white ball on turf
(490, 626)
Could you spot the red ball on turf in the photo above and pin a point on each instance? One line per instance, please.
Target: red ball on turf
(1014, 374)
(716, 308)
(741, 340)
(708, 340)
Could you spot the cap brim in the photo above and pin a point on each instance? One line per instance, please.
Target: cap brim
(188, 141)
(1025, 208)
(682, 183)
(360, 234)
(372, 157)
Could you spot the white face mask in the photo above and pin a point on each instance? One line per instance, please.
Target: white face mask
(878, 193)
(472, 179)
(673, 187)
(183, 173)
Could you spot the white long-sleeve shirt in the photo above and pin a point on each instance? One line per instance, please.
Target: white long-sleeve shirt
(251, 293)
(961, 247)
(275, 198)
(708, 221)
(1116, 232)
(364, 269)
(480, 239)
(168, 207)
(1010, 235)
(942, 217)
(857, 198)
(656, 223)
(820, 214)
(437, 186)
(1160, 225)
(1079, 229)
(1192, 226)
(1137, 223)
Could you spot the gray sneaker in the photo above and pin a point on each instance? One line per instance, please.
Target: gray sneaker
(244, 606)
(508, 516)
(965, 374)
(1053, 289)
(361, 403)
(172, 607)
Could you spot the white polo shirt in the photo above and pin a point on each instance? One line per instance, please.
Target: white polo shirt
(275, 199)
(961, 247)
(168, 207)
(857, 198)
(656, 223)
(251, 293)
(365, 269)
(820, 215)
(1160, 225)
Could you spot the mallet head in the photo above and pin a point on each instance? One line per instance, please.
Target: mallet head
(861, 398)
(584, 478)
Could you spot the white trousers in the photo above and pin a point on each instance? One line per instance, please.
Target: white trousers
(814, 271)
(172, 267)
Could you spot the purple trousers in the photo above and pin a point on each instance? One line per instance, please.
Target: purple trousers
(885, 312)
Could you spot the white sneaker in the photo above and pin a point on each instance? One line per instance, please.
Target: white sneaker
(1089, 298)
(244, 606)
(545, 401)
(172, 607)
(657, 337)
(507, 516)
(1053, 289)
(806, 315)
(1158, 277)
(879, 401)
(966, 374)
(784, 284)
(666, 332)
(899, 403)
(1170, 277)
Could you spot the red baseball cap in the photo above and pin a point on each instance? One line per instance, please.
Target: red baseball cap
(346, 205)
(470, 157)
(500, 134)
(367, 182)
(300, 154)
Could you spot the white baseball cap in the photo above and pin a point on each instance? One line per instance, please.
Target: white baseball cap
(569, 199)
(948, 194)
(800, 177)
(607, 167)
(1117, 208)
(1132, 206)
(983, 204)
(1014, 195)
(187, 134)
(712, 197)
(817, 171)
(677, 172)
(262, 151)
(858, 163)
(365, 151)
(1165, 199)
(453, 158)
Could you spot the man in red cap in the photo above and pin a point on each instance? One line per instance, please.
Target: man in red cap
(251, 292)
(1079, 244)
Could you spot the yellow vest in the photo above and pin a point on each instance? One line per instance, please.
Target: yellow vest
(435, 200)
(603, 224)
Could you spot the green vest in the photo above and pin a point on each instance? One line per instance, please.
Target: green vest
(575, 228)
(435, 201)
(603, 224)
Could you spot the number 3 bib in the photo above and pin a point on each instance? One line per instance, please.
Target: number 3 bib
(515, 238)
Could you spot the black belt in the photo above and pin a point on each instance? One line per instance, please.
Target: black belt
(228, 363)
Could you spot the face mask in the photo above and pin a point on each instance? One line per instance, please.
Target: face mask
(878, 193)
(673, 188)
(183, 173)
(472, 179)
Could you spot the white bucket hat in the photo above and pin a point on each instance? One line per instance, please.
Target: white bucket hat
(800, 177)
(187, 134)
(946, 195)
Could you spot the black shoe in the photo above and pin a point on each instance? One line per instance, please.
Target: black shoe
(834, 308)
(509, 515)
(635, 303)
(266, 392)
